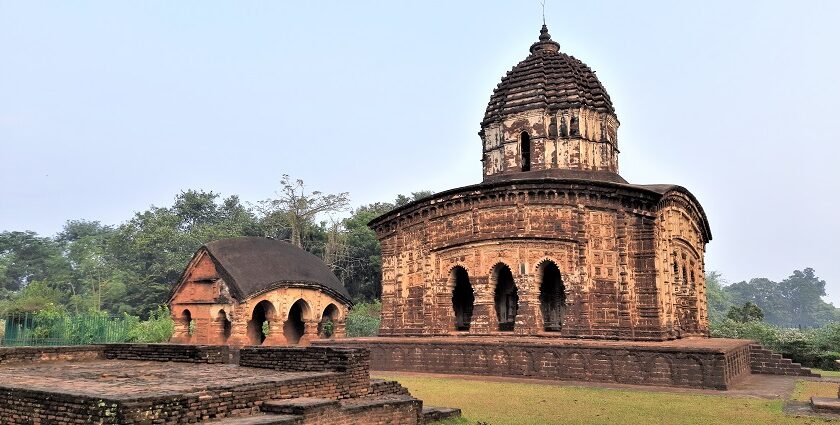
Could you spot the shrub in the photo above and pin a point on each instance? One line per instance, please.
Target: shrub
(363, 319)
(813, 348)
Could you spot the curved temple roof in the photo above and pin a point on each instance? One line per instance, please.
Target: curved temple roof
(550, 79)
(253, 265)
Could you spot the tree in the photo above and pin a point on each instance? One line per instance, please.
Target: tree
(27, 257)
(793, 302)
(151, 249)
(749, 312)
(719, 301)
(296, 210)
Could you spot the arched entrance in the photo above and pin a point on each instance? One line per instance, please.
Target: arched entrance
(295, 327)
(225, 325)
(552, 297)
(463, 298)
(187, 325)
(506, 297)
(329, 318)
(258, 326)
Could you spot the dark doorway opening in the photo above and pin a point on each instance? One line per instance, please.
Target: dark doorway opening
(552, 297)
(525, 145)
(258, 326)
(463, 298)
(226, 325)
(294, 328)
(506, 297)
(326, 327)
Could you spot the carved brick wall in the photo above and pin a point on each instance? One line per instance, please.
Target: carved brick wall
(574, 139)
(609, 242)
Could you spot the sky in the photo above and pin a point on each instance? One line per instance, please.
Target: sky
(109, 107)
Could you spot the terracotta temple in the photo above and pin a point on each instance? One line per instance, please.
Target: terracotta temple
(553, 241)
(257, 291)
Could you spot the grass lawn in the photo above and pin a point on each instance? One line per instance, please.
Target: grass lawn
(501, 403)
(807, 389)
(827, 373)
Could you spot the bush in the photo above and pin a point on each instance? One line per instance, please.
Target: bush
(54, 326)
(812, 348)
(363, 319)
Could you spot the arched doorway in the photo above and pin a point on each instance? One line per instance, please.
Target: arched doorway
(463, 298)
(552, 297)
(525, 145)
(506, 297)
(258, 326)
(225, 325)
(187, 325)
(329, 318)
(295, 327)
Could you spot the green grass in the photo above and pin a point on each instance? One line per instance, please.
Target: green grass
(503, 403)
(806, 389)
(827, 373)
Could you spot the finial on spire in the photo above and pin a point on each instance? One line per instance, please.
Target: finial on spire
(545, 44)
(542, 2)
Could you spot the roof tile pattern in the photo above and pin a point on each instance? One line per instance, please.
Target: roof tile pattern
(547, 79)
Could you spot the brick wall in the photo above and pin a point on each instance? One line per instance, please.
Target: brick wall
(352, 364)
(19, 406)
(596, 361)
(168, 352)
(38, 354)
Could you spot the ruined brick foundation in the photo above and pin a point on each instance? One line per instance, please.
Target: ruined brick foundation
(171, 384)
(711, 363)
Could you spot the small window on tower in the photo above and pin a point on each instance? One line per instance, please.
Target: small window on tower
(525, 146)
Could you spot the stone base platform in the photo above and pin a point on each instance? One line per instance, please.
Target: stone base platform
(169, 384)
(712, 363)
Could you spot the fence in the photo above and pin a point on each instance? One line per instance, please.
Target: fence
(37, 329)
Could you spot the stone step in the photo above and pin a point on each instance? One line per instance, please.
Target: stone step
(259, 419)
(825, 404)
(358, 404)
(432, 414)
(298, 406)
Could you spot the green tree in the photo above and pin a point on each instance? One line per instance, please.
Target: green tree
(151, 249)
(719, 301)
(749, 312)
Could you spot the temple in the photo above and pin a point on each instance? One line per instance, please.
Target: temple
(257, 291)
(553, 242)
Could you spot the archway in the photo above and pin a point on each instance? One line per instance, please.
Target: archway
(187, 325)
(463, 298)
(329, 318)
(506, 297)
(552, 297)
(258, 326)
(294, 327)
(525, 145)
(225, 325)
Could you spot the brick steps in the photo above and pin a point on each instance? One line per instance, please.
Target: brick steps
(764, 361)
(260, 419)
(825, 404)
(432, 414)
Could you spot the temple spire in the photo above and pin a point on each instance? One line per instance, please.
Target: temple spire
(546, 44)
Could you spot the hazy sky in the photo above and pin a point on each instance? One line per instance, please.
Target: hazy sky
(109, 107)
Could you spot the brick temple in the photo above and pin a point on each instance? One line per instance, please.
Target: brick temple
(554, 266)
(257, 291)
(553, 242)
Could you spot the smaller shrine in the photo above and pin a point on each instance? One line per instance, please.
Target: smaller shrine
(257, 291)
